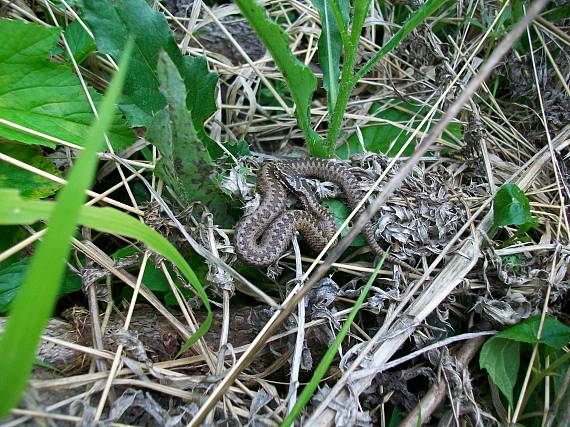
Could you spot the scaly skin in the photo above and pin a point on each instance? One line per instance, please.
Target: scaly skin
(263, 236)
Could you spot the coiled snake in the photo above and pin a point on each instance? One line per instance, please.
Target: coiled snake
(263, 236)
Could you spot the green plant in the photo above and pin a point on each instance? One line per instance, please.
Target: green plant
(500, 355)
(336, 42)
(511, 207)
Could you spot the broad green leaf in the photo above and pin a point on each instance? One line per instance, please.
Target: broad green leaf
(31, 186)
(511, 206)
(112, 24)
(42, 95)
(340, 212)
(79, 42)
(501, 358)
(9, 236)
(554, 333)
(299, 77)
(185, 164)
(200, 97)
(554, 13)
(36, 299)
(330, 47)
(387, 137)
(12, 277)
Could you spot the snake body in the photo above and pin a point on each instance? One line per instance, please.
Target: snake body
(263, 236)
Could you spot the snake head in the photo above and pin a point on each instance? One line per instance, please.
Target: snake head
(292, 180)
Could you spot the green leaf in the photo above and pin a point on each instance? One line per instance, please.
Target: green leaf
(80, 43)
(330, 47)
(200, 97)
(501, 358)
(42, 95)
(399, 118)
(153, 277)
(12, 277)
(31, 186)
(112, 23)
(299, 77)
(340, 212)
(554, 333)
(511, 206)
(36, 299)
(185, 164)
(11, 235)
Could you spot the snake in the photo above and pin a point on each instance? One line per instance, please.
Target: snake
(263, 236)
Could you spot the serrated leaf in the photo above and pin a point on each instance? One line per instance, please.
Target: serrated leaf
(300, 79)
(511, 206)
(185, 164)
(79, 42)
(200, 97)
(554, 334)
(29, 184)
(398, 119)
(112, 23)
(501, 358)
(330, 47)
(42, 95)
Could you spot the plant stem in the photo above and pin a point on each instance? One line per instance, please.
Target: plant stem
(341, 102)
(347, 82)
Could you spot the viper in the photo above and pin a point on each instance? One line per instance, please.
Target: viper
(263, 236)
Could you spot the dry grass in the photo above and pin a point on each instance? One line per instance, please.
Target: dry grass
(119, 364)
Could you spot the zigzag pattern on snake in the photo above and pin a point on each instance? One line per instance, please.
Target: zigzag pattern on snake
(263, 236)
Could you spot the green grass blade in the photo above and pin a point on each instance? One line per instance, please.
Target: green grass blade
(34, 304)
(428, 8)
(331, 352)
(300, 79)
